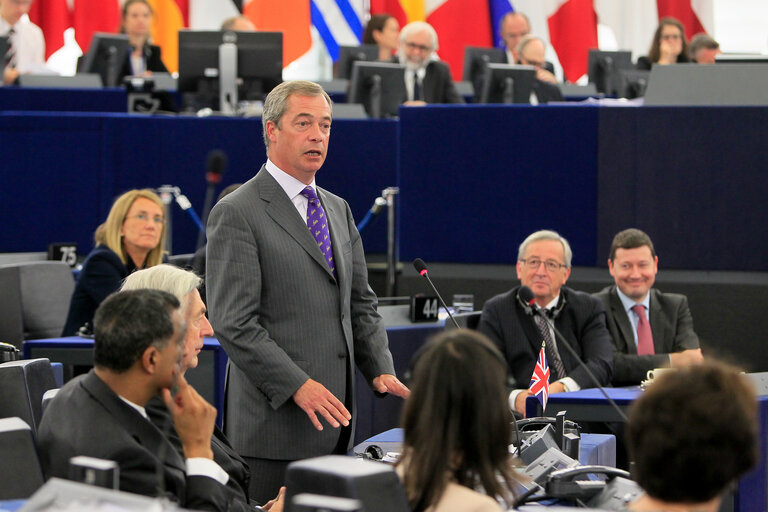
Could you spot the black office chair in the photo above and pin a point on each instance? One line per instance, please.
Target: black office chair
(20, 471)
(22, 386)
(48, 396)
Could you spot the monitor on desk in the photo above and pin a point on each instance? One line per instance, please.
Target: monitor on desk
(507, 83)
(475, 59)
(105, 57)
(603, 68)
(632, 83)
(219, 68)
(741, 58)
(348, 55)
(379, 87)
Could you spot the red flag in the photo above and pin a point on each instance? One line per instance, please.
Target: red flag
(683, 11)
(539, 386)
(572, 32)
(53, 17)
(91, 16)
(460, 23)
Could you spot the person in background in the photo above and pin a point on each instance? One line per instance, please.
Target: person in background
(649, 329)
(427, 79)
(382, 30)
(455, 451)
(144, 58)
(132, 237)
(668, 47)
(703, 49)
(691, 435)
(513, 27)
(26, 45)
(238, 24)
(530, 52)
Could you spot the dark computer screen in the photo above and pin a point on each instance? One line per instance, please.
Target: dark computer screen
(741, 58)
(379, 86)
(507, 83)
(632, 83)
(105, 57)
(475, 59)
(348, 55)
(603, 68)
(259, 65)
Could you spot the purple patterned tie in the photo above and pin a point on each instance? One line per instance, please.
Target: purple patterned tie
(318, 226)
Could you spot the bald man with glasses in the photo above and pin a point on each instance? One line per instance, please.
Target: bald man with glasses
(544, 265)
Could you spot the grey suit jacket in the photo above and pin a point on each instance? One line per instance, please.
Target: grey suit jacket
(671, 326)
(87, 418)
(283, 318)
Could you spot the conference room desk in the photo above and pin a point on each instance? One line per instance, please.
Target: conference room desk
(591, 405)
(374, 414)
(76, 353)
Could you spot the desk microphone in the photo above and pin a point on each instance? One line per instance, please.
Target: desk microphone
(215, 167)
(421, 268)
(526, 295)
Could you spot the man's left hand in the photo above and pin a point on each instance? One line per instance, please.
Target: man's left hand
(387, 383)
(556, 387)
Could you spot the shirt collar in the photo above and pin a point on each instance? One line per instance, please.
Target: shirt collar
(291, 185)
(629, 303)
(141, 410)
(551, 305)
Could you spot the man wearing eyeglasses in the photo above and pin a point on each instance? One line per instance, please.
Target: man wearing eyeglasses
(427, 79)
(650, 329)
(544, 265)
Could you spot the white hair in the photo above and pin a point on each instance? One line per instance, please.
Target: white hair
(178, 282)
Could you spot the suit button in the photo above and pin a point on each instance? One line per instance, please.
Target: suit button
(342, 355)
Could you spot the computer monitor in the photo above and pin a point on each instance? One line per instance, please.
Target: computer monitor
(507, 83)
(741, 58)
(475, 59)
(348, 55)
(603, 68)
(106, 57)
(219, 68)
(632, 83)
(379, 86)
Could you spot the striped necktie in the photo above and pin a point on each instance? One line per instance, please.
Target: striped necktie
(10, 54)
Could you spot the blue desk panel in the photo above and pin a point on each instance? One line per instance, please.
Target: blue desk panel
(590, 405)
(63, 100)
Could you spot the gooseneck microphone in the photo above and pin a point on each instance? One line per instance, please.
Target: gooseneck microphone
(214, 169)
(526, 295)
(421, 268)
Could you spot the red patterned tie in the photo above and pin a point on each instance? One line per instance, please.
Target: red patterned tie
(317, 223)
(644, 336)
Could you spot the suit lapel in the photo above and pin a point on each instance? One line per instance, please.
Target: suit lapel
(140, 428)
(336, 226)
(528, 324)
(283, 212)
(622, 321)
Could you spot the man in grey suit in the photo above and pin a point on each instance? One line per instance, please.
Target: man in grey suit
(292, 306)
(636, 312)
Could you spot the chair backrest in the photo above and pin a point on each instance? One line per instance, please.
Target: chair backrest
(467, 320)
(20, 471)
(22, 386)
(35, 300)
(47, 397)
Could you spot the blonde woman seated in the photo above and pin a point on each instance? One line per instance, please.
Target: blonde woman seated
(457, 427)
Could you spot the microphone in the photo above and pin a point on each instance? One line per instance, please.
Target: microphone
(215, 166)
(526, 295)
(421, 268)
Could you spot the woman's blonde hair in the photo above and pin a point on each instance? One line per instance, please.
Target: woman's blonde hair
(108, 233)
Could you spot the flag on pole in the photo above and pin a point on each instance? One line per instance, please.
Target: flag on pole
(53, 17)
(170, 16)
(539, 386)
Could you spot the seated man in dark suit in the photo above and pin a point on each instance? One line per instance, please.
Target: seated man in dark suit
(530, 52)
(691, 435)
(138, 346)
(544, 265)
(427, 79)
(649, 329)
(184, 285)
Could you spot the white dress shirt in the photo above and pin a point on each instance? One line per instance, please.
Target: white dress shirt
(28, 43)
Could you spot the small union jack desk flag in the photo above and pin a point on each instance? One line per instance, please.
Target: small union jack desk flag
(539, 385)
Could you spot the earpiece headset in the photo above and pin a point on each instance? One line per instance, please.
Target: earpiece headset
(552, 313)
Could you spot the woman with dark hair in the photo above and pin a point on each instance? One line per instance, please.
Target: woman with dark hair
(457, 427)
(382, 30)
(136, 23)
(668, 47)
(132, 237)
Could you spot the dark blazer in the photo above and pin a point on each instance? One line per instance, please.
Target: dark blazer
(546, 92)
(87, 418)
(581, 320)
(643, 63)
(283, 318)
(438, 86)
(152, 57)
(101, 275)
(671, 326)
(223, 454)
